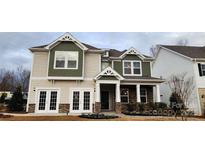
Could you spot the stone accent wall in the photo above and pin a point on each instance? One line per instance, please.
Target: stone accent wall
(97, 107)
(118, 107)
(64, 108)
(31, 108)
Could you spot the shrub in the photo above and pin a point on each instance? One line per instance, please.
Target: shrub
(3, 97)
(131, 107)
(98, 116)
(161, 105)
(17, 102)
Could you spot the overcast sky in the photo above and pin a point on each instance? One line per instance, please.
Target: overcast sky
(14, 46)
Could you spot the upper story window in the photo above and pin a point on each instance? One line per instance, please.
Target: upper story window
(132, 68)
(66, 60)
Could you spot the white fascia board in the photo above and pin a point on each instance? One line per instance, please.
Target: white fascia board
(67, 37)
(135, 53)
(64, 78)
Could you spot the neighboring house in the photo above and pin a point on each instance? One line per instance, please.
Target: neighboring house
(175, 60)
(70, 76)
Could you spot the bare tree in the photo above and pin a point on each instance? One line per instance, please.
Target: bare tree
(182, 85)
(6, 80)
(22, 78)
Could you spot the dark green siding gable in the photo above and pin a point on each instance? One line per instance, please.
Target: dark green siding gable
(146, 69)
(66, 46)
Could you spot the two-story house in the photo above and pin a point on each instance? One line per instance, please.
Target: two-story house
(175, 60)
(70, 76)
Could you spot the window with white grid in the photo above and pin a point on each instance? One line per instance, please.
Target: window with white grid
(76, 99)
(86, 104)
(53, 100)
(42, 100)
(132, 67)
(143, 95)
(66, 60)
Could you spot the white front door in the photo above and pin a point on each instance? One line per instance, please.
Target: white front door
(47, 101)
(81, 101)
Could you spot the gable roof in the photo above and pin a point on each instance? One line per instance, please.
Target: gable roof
(188, 51)
(109, 72)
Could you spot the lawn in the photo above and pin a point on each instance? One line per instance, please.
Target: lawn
(76, 118)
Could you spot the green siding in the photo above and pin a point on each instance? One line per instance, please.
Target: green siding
(146, 70)
(118, 67)
(65, 46)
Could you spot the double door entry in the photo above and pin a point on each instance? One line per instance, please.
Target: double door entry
(81, 101)
(48, 101)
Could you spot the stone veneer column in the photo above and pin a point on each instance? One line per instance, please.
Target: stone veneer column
(31, 108)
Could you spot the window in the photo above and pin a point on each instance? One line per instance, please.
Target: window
(53, 100)
(66, 60)
(132, 68)
(203, 69)
(86, 105)
(143, 95)
(124, 95)
(42, 100)
(76, 100)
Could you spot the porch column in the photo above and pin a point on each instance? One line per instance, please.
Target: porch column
(117, 91)
(97, 93)
(138, 93)
(158, 99)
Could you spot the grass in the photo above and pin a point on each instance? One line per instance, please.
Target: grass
(77, 118)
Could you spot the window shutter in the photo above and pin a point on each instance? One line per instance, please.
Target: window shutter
(200, 72)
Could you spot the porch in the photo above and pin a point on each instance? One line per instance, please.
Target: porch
(113, 96)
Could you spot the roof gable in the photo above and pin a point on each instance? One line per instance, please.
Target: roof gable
(109, 72)
(132, 51)
(67, 37)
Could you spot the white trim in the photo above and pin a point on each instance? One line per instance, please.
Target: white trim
(132, 51)
(108, 81)
(151, 84)
(66, 60)
(48, 90)
(70, 38)
(81, 99)
(30, 89)
(64, 78)
(132, 68)
(138, 93)
(109, 72)
(100, 63)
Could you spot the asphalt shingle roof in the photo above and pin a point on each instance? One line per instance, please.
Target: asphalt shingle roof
(189, 51)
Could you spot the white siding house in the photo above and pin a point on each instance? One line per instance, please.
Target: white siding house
(174, 60)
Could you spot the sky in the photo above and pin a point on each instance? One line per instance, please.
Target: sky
(14, 45)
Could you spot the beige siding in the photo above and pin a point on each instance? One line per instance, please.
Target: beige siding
(92, 64)
(65, 88)
(40, 64)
